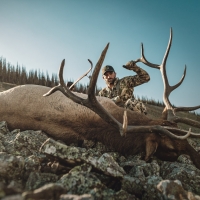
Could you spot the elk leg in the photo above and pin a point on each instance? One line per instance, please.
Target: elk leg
(151, 147)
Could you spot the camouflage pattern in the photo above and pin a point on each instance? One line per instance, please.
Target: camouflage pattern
(135, 105)
(122, 91)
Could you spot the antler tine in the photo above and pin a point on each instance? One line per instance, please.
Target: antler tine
(181, 132)
(187, 121)
(66, 90)
(63, 88)
(180, 82)
(144, 60)
(186, 108)
(167, 88)
(83, 74)
(160, 129)
(93, 80)
(92, 101)
(177, 109)
(58, 87)
(90, 63)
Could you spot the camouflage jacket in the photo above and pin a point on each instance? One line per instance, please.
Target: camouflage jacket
(123, 88)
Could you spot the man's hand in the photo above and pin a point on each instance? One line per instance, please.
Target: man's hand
(131, 65)
(116, 99)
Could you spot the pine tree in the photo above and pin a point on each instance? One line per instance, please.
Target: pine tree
(35, 79)
(4, 71)
(23, 78)
(43, 81)
(1, 69)
(12, 74)
(48, 81)
(52, 80)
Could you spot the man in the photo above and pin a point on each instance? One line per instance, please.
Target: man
(121, 90)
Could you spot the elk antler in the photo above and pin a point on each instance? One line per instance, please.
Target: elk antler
(169, 112)
(82, 75)
(92, 103)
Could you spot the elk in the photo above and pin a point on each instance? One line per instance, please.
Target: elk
(71, 116)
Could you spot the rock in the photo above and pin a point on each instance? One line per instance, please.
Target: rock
(188, 174)
(80, 182)
(13, 197)
(34, 166)
(46, 192)
(173, 190)
(105, 163)
(76, 197)
(36, 180)
(11, 167)
(3, 127)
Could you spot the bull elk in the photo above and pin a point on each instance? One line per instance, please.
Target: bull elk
(81, 116)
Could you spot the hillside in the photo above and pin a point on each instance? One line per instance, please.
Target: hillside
(6, 86)
(154, 112)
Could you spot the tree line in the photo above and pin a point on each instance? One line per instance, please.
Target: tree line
(18, 75)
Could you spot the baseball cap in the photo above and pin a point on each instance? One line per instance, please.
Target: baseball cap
(107, 68)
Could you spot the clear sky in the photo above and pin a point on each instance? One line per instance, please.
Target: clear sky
(39, 34)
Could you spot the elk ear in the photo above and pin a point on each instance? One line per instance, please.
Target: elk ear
(151, 147)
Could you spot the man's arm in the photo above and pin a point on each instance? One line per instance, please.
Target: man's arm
(128, 83)
(100, 93)
(126, 93)
(141, 77)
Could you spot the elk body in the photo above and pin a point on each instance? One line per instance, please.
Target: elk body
(24, 107)
(70, 117)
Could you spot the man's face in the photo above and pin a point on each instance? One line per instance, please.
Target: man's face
(109, 77)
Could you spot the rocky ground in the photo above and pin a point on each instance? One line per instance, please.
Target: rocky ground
(34, 166)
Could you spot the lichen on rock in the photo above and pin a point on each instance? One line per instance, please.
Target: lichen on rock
(35, 166)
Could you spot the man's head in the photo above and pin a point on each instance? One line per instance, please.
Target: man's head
(107, 68)
(108, 74)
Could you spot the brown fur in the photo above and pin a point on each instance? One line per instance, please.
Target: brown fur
(24, 107)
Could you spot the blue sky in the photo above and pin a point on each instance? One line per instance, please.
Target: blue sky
(39, 34)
